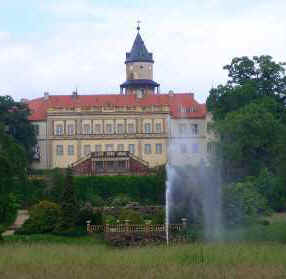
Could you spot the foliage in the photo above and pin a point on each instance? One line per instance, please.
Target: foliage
(159, 218)
(69, 205)
(249, 136)
(131, 215)
(14, 115)
(121, 200)
(87, 213)
(8, 209)
(271, 187)
(249, 80)
(13, 176)
(43, 218)
(54, 185)
(110, 219)
(96, 200)
(142, 189)
(242, 203)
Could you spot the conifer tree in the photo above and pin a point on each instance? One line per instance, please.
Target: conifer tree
(69, 205)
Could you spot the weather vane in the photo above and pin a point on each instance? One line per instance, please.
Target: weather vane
(138, 22)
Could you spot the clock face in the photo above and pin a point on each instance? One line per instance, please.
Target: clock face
(131, 67)
(150, 68)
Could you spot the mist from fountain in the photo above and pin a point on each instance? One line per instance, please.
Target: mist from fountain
(193, 186)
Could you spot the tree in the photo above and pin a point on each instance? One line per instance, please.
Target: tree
(249, 137)
(14, 115)
(13, 175)
(250, 79)
(69, 205)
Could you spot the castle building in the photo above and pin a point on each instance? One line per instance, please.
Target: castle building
(114, 132)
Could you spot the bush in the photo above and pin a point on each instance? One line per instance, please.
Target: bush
(43, 218)
(110, 220)
(96, 200)
(121, 200)
(242, 204)
(138, 188)
(87, 213)
(131, 215)
(8, 209)
(159, 218)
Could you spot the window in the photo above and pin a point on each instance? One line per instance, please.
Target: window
(97, 128)
(195, 148)
(109, 147)
(60, 149)
(98, 147)
(147, 128)
(37, 129)
(70, 150)
(99, 165)
(86, 149)
(120, 147)
(195, 129)
(182, 128)
(158, 127)
(211, 147)
(70, 129)
(120, 128)
(122, 164)
(86, 129)
(147, 148)
(131, 148)
(158, 148)
(109, 128)
(183, 148)
(59, 130)
(130, 128)
(110, 164)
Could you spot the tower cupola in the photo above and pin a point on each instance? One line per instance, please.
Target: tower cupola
(139, 70)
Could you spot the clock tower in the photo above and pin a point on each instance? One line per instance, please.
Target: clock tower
(139, 70)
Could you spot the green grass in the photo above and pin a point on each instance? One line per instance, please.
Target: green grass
(255, 253)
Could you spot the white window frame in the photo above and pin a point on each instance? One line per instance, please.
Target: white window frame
(131, 148)
(159, 148)
(147, 148)
(70, 149)
(60, 150)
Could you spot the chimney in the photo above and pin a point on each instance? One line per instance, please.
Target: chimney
(171, 93)
(24, 100)
(46, 96)
(74, 94)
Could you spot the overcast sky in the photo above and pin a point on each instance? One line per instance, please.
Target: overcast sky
(58, 45)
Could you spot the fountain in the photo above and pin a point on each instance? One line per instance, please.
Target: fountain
(193, 184)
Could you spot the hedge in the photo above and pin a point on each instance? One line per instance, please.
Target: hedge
(143, 189)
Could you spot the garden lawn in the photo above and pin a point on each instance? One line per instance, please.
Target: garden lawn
(87, 258)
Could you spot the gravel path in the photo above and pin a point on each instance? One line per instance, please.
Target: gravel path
(22, 216)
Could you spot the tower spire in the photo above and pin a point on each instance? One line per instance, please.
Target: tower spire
(138, 25)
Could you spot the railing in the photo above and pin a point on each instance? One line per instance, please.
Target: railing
(131, 228)
(139, 159)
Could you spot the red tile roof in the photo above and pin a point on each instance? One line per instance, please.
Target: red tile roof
(40, 106)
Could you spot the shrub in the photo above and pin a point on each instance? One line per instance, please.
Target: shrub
(8, 209)
(110, 219)
(96, 200)
(43, 218)
(121, 200)
(242, 203)
(131, 215)
(159, 218)
(69, 206)
(87, 213)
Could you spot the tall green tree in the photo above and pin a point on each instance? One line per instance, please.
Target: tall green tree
(249, 80)
(14, 115)
(13, 175)
(250, 116)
